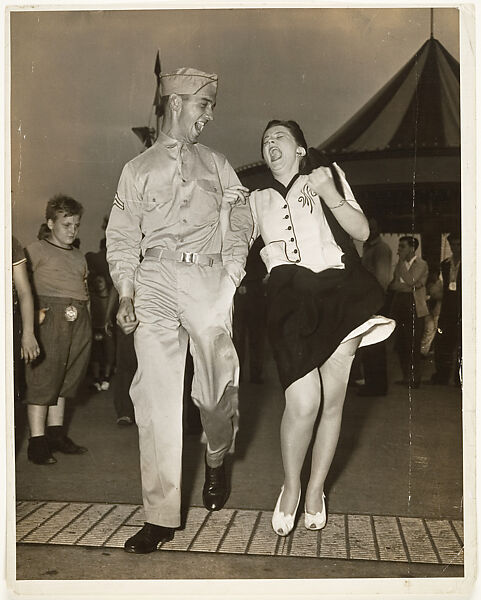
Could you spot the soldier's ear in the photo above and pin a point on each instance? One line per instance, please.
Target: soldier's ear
(175, 102)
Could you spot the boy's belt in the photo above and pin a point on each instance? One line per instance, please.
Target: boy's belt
(205, 260)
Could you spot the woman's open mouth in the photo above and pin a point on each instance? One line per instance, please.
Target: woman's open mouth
(274, 154)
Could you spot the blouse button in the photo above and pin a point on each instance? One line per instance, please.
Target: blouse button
(298, 260)
(296, 251)
(286, 217)
(285, 206)
(289, 227)
(292, 239)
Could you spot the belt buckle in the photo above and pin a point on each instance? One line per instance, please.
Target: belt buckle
(188, 257)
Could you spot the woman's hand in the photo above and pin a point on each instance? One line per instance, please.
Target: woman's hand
(29, 350)
(234, 195)
(322, 182)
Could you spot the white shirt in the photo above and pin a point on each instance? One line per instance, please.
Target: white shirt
(409, 264)
(295, 229)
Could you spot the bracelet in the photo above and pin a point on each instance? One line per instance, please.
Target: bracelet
(341, 203)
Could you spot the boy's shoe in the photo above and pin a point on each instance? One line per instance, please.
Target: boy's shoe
(59, 442)
(38, 451)
(125, 421)
(104, 386)
(97, 385)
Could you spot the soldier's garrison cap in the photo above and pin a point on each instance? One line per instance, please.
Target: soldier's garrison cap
(187, 80)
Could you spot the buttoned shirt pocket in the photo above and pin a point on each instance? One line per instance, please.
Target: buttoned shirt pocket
(207, 199)
(156, 208)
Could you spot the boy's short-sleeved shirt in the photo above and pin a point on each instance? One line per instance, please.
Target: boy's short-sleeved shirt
(58, 272)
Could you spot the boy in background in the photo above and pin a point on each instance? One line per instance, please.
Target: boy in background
(103, 344)
(59, 274)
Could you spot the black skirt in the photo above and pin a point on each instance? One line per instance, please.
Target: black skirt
(309, 314)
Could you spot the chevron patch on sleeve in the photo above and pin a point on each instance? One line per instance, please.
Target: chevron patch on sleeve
(118, 202)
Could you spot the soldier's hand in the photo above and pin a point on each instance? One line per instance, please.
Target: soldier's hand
(126, 318)
(234, 195)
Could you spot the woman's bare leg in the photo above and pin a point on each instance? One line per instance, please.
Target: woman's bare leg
(335, 376)
(303, 399)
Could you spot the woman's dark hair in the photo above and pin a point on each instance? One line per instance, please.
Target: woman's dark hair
(298, 136)
(314, 158)
(62, 205)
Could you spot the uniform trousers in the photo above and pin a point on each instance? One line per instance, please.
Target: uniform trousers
(175, 303)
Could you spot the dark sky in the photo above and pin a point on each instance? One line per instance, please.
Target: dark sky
(82, 79)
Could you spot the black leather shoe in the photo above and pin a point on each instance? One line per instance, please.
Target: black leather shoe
(66, 445)
(215, 492)
(148, 539)
(38, 451)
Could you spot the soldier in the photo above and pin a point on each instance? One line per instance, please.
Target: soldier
(168, 206)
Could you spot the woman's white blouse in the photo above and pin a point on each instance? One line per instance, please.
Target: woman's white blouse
(295, 229)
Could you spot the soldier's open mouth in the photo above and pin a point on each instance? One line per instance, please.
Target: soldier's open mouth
(199, 126)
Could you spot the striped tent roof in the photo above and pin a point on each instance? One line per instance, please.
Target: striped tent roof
(418, 108)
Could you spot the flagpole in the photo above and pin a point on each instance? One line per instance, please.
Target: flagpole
(432, 22)
(157, 71)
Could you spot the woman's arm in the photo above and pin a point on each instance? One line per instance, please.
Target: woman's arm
(30, 349)
(351, 220)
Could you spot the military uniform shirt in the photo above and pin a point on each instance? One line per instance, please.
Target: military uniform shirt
(170, 196)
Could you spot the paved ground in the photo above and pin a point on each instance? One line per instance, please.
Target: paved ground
(394, 498)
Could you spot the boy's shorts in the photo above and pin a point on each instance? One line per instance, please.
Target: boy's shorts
(65, 339)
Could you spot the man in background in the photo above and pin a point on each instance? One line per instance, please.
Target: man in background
(409, 308)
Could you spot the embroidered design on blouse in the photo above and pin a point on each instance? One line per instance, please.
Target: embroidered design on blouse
(307, 197)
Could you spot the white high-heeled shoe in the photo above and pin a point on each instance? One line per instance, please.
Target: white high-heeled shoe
(283, 524)
(317, 521)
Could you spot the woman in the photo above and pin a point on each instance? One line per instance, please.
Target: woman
(320, 303)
